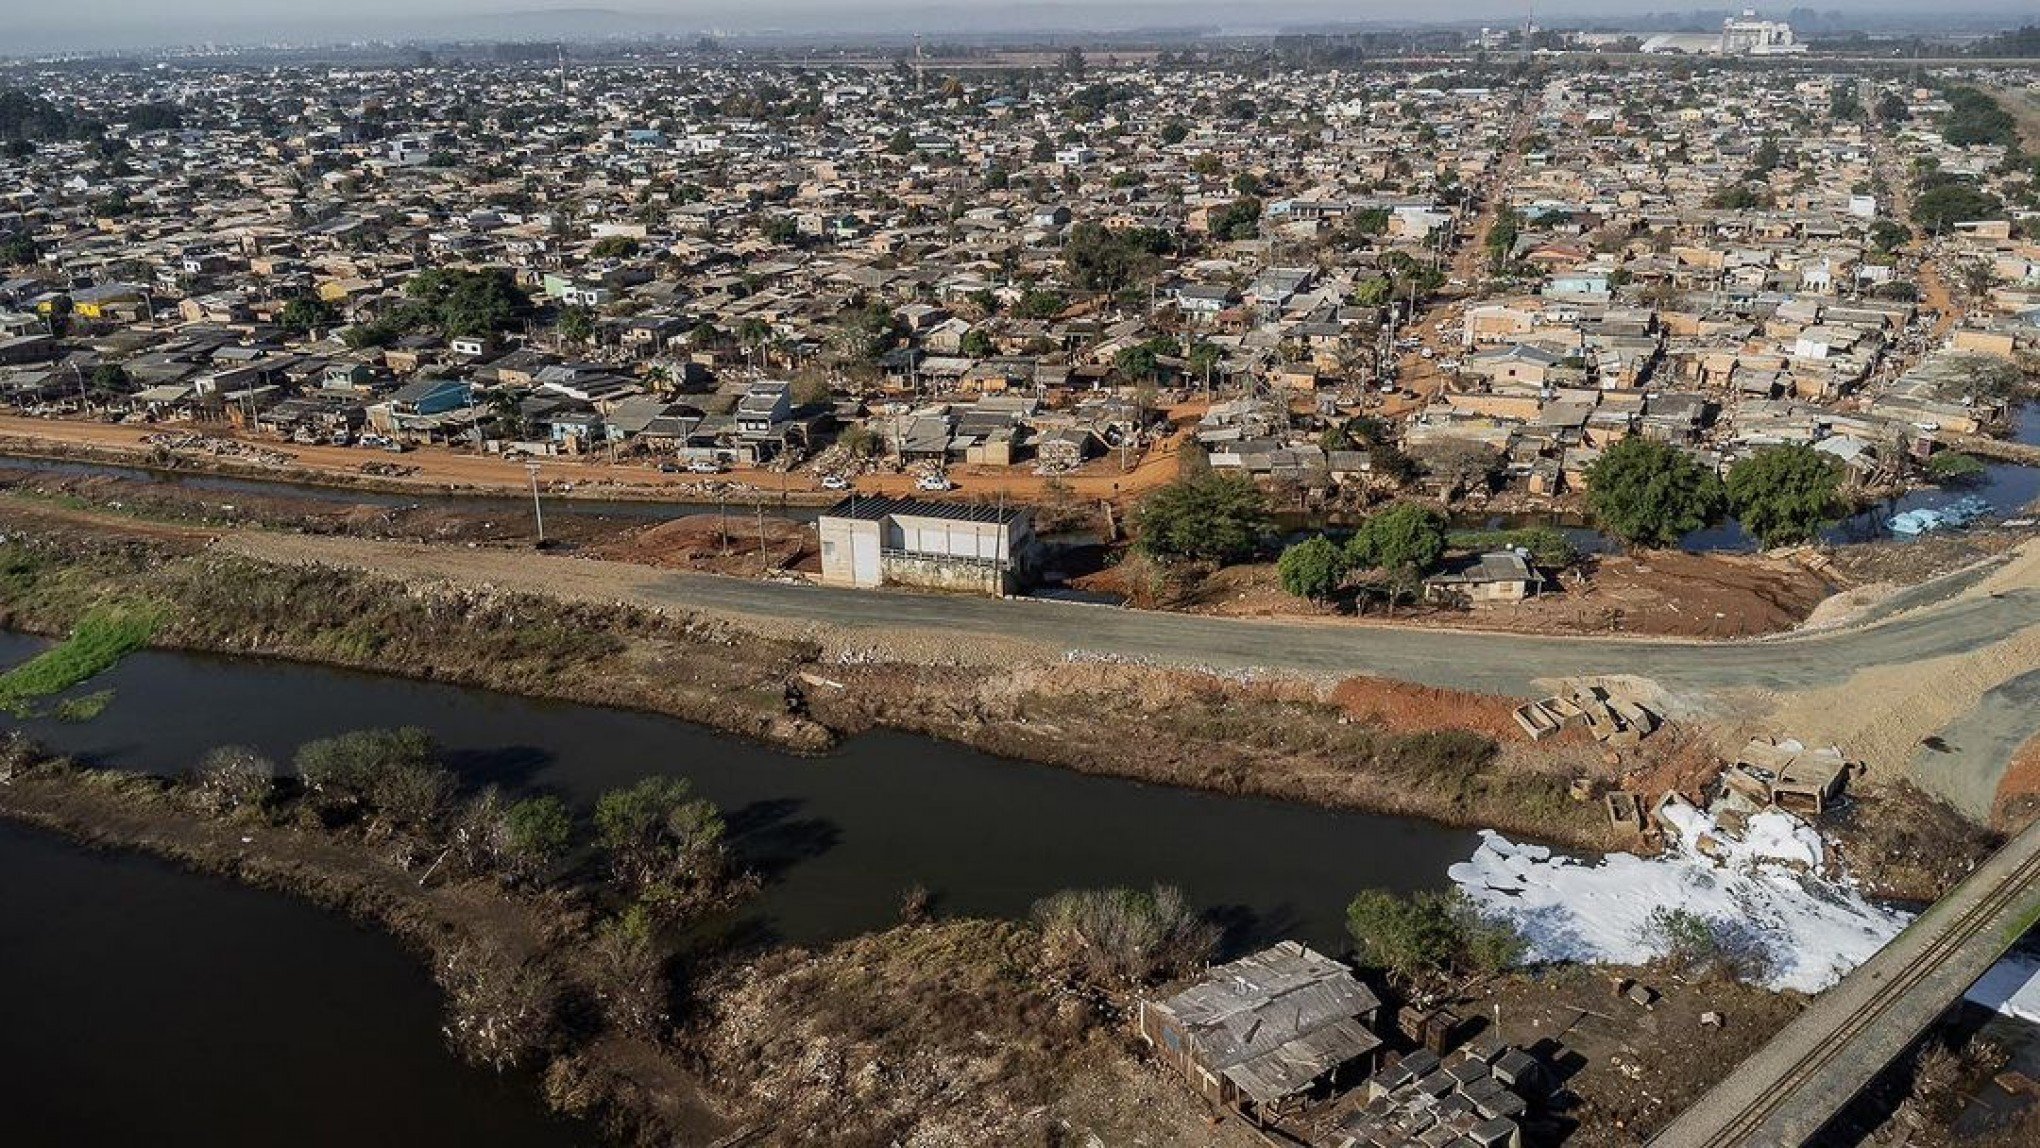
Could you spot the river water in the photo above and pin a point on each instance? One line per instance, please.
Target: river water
(838, 839)
(144, 1005)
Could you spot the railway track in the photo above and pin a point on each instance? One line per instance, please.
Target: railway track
(1762, 1119)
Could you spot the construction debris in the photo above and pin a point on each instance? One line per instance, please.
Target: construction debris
(1612, 716)
(1787, 774)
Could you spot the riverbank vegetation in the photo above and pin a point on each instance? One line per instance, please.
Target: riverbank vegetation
(102, 637)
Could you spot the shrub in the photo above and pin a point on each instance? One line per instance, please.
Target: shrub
(233, 778)
(1954, 468)
(394, 773)
(1420, 934)
(1125, 936)
(658, 834)
(538, 831)
(1699, 945)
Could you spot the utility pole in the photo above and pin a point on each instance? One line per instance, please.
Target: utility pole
(537, 509)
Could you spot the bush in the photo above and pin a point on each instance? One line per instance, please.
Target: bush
(1785, 494)
(1954, 468)
(394, 773)
(232, 778)
(1548, 545)
(1125, 936)
(538, 831)
(1650, 493)
(659, 836)
(1421, 934)
(1699, 946)
(1214, 516)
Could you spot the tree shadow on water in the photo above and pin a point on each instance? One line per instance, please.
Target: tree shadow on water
(770, 839)
(514, 768)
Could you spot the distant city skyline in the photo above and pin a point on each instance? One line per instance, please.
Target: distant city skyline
(109, 24)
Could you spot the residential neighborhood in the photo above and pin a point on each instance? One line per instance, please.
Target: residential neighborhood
(1037, 577)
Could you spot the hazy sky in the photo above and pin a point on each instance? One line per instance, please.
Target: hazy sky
(41, 25)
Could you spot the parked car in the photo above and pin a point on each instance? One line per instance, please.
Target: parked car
(835, 482)
(705, 467)
(934, 483)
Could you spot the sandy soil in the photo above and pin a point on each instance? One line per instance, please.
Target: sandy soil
(736, 544)
(1662, 594)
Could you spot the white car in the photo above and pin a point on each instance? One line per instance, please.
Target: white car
(835, 482)
(934, 482)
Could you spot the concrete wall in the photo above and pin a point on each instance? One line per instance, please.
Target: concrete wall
(850, 552)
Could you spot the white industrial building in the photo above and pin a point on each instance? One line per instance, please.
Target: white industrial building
(937, 545)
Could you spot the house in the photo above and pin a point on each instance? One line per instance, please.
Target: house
(763, 414)
(1265, 1034)
(1503, 576)
(868, 542)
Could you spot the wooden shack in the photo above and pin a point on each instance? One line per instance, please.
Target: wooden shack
(1267, 1034)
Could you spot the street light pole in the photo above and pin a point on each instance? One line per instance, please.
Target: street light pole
(537, 509)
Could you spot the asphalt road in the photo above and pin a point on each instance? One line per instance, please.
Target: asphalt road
(1488, 662)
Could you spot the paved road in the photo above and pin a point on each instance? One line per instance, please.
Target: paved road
(1793, 1086)
(1495, 663)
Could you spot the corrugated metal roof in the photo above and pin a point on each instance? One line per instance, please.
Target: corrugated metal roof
(1280, 1018)
(872, 509)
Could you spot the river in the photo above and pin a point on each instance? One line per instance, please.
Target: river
(143, 1004)
(838, 839)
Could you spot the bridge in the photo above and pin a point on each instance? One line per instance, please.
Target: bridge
(1792, 1087)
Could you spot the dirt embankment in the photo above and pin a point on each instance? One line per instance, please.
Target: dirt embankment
(1659, 594)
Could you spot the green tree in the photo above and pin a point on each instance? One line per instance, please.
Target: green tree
(1240, 219)
(1039, 304)
(1948, 202)
(977, 344)
(1312, 568)
(1650, 493)
(307, 313)
(1785, 494)
(18, 250)
(462, 302)
(577, 324)
(1406, 541)
(1216, 517)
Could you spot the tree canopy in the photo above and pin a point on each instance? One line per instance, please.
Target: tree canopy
(1785, 494)
(1650, 493)
(1214, 516)
(1312, 568)
(1406, 540)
